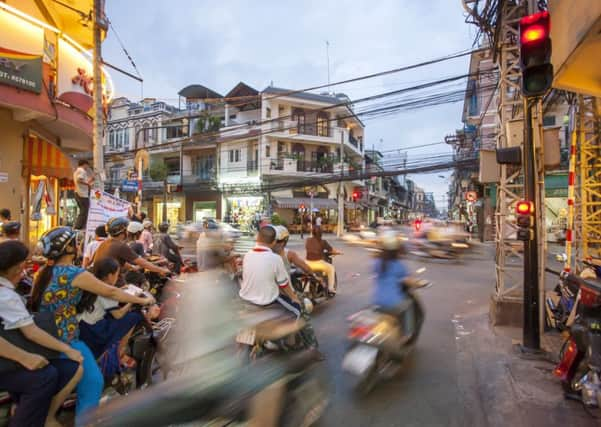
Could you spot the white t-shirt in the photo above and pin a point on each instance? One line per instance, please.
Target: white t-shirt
(263, 273)
(318, 221)
(101, 306)
(83, 190)
(13, 312)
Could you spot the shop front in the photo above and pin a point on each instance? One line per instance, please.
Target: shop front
(293, 209)
(556, 206)
(243, 211)
(47, 172)
(176, 209)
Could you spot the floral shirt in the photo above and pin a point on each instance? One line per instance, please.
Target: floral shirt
(61, 297)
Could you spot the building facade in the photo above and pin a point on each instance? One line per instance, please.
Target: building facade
(45, 110)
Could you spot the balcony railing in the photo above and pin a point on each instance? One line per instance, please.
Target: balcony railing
(301, 165)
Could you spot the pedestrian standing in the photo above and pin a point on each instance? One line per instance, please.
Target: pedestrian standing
(318, 221)
(83, 177)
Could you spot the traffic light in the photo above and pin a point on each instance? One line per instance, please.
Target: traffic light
(535, 54)
(301, 207)
(525, 221)
(356, 195)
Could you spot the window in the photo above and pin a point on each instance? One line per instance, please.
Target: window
(548, 120)
(234, 156)
(268, 113)
(115, 173)
(111, 139)
(322, 124)
(268, 150)
(203, 166)
(280, 111)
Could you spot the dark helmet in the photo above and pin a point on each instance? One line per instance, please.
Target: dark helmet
(163, 227)
(11, 227)
(117, 225)
(54, 242)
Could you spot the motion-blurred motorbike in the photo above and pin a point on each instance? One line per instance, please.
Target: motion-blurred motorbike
(380, 340)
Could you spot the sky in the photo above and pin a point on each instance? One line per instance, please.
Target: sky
(220, 43)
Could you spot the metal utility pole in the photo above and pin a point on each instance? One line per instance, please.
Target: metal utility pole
(98, 155)
(531, 329)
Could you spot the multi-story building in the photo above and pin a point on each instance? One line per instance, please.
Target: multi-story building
(279, 140)
(45, 96)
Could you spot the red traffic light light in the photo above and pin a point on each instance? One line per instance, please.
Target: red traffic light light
(301, 207)
(356, 195)
(524, 207)
(535, 28)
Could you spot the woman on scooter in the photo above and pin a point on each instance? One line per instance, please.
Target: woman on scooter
(58, 289)
(390, 272)
(41, 385)
(316, 248)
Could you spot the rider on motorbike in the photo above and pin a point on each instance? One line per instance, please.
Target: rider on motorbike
(265, 280)
(166, 247)
(316, 248)
(116, 247)
(289, 257)
(390, 272)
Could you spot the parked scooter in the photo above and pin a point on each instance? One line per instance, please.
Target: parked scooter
(378, 342)
(580, 358)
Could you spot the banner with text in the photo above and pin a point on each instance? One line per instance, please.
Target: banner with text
(103, 206)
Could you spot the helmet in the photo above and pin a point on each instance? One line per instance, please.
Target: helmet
(117, 225)
(135, 227)
(11, 227)
(390, 241)
(281, 233)
(147, 224)
(163, 227)
(54, 242)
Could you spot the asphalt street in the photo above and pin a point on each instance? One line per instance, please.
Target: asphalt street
(439, 384)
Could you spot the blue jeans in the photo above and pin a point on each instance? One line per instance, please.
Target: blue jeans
(89, 389)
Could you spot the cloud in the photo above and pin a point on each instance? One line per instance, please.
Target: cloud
(218, 44)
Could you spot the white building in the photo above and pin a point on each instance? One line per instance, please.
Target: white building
(281, 138)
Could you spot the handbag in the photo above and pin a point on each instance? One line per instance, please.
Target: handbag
(44, 321)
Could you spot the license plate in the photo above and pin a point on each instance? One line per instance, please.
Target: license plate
(246, 337)
(359, 359)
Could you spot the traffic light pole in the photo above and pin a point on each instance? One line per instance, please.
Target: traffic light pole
(531, 329)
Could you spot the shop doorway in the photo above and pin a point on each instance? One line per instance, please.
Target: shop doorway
(204, 210)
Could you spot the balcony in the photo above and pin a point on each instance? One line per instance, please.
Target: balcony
(290, 165)
(314, 132)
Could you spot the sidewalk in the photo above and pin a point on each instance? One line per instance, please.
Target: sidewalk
(503, 389)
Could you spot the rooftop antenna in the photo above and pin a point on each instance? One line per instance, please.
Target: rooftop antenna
(328, 61)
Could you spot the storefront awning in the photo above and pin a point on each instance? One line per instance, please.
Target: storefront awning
(41, 157)
(295, 202)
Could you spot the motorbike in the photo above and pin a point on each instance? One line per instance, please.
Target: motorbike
(579, 368)
(269, 331)
(445, 249)
(377, 343)
(182, 400)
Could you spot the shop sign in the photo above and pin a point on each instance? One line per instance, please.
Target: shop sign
(21, 70)
(129, 186)
(3, 176)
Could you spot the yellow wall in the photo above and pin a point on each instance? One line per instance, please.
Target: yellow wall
(13, 192)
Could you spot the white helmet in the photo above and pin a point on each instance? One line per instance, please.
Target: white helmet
(281, 233)
(147, 224)
(135, 227)
(390, 241)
